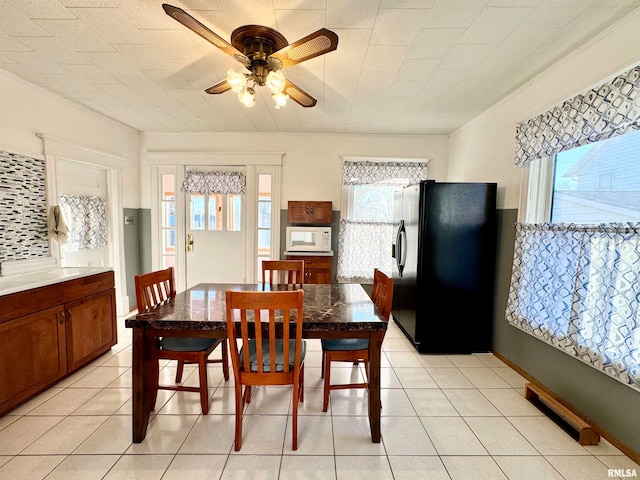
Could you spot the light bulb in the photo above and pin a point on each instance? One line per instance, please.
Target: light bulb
(276, 81)
(247, 97)
(236, 81)
(280, 99)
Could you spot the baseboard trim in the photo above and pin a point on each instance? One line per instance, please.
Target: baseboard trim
(601, 431)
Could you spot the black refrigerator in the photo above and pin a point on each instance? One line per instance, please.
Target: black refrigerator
(444, 265)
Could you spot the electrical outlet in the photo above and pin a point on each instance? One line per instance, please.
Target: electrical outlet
(128, 220)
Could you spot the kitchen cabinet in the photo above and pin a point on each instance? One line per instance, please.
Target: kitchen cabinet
(309, 213)
(317, 269)
(48, 332)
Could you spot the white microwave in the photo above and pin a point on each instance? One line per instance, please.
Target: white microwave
(308, 239)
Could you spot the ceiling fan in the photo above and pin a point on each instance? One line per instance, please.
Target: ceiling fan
(264, 52)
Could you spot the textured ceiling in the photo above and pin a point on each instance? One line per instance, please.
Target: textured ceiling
(401, 66)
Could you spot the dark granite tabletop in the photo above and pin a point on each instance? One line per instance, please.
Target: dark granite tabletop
(327, 307)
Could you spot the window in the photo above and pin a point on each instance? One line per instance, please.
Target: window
(207, 212)
(168, 220)
(577, 260)
(366, 226)
(598, 182)
(265, 205)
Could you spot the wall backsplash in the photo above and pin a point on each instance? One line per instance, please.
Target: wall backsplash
(23, 208)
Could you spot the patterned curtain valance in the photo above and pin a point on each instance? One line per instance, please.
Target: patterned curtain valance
(212, 183)
(388, 173)
(606, 111)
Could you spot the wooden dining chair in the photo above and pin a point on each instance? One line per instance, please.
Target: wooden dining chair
(153, 289)
(269, 349)
(355, 350)
(290, 272)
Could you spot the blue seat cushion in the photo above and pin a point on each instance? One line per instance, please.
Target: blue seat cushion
(279, 354)
(344, 344)
(186, 344)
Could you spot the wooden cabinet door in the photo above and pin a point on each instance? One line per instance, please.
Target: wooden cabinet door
(320, 212)
(318, 275)
(90, 326)
(32, 357)
(297, 212)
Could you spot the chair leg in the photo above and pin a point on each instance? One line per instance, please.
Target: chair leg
(204, 384)
(155, 374)
(294, 416)
(302, 384)
(322, 370)
(327, 380)
(179, 370)
(239, 412)
(247, 394)
(225, 360)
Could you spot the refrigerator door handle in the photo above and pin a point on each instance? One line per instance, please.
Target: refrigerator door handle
(401, 253)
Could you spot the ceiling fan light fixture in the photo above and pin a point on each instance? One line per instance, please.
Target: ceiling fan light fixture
(247, 97)
(276, 81)
(237, 81)
(280, 99)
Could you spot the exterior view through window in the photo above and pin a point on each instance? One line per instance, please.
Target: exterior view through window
(599, 182)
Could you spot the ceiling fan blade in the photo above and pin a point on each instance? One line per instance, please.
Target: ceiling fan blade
(313, 45)
(219, 88)
(298, 95)
(195, 26)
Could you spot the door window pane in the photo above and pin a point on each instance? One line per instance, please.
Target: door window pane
(215, 212)
(234, 213)
(264, 242)
(197, 212)
(264, 214)
(168, 219)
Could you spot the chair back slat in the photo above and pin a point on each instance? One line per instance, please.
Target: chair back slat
(289, 272)
(154, 288)
(382, 293)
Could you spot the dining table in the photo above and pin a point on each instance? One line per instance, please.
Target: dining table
(337, 310)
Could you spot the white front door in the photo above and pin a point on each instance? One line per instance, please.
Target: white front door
(216, 230)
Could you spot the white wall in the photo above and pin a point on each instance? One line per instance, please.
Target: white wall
(76, 134)
(312, 166)
(484, 148)
(28, 109)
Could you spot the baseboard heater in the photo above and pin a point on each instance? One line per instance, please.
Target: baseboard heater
(569, 421)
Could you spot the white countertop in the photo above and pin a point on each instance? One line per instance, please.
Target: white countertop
(310, 254)
(27, 281)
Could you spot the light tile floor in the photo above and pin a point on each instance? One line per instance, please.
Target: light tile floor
(453, 417)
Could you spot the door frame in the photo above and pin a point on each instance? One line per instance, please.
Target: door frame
(176, 163)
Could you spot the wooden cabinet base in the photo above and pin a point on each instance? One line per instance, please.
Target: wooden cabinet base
(317, 269)
(48, 332)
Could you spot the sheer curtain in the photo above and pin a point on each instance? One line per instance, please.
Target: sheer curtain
(576, 287)
(366, 231)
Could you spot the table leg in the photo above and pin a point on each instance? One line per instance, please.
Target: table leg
(141, 372)
(375, 347)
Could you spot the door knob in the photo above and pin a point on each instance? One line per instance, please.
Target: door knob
(190, 242)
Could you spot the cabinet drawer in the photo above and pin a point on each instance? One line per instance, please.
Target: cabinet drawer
(81, 287)
(317, 262)
(19, 304)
